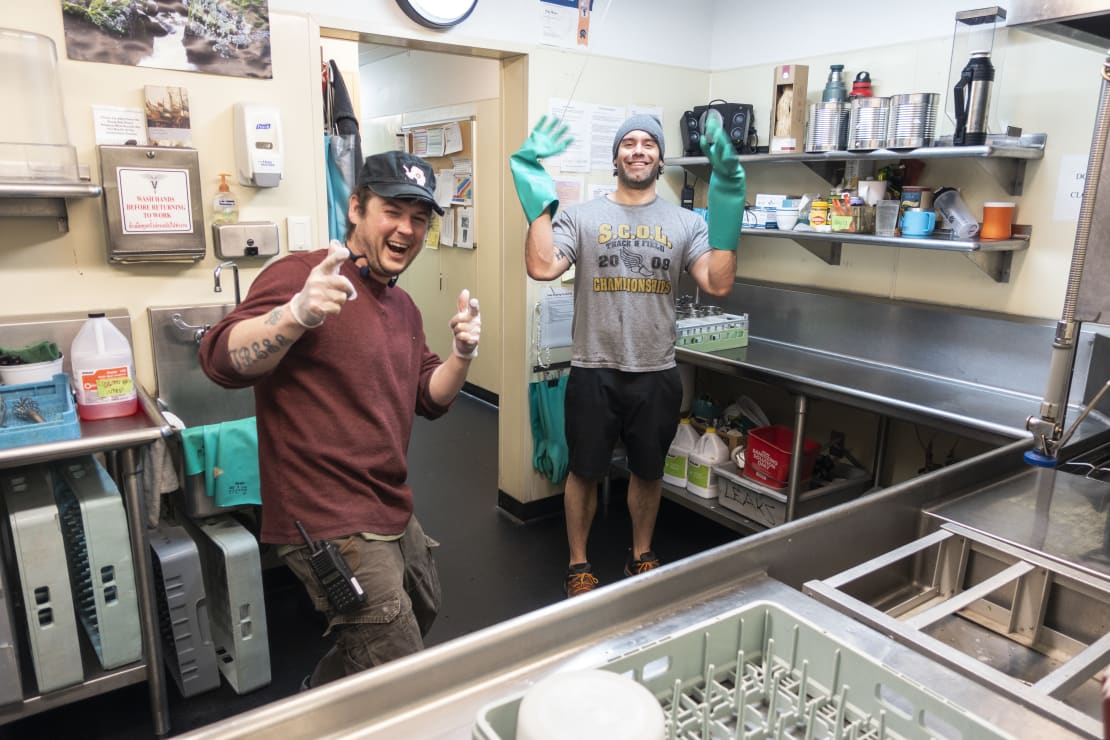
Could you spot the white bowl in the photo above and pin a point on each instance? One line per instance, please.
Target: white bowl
(590, 704)
(33, 372)
(787, 218)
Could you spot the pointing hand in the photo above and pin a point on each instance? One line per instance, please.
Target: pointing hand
(467, 327)
(325, 290)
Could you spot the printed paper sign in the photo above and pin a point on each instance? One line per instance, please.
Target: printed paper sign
(154, 201)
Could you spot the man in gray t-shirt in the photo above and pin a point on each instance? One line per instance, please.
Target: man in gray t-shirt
(629, 249)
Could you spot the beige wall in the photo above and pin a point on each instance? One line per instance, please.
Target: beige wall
(43, 271)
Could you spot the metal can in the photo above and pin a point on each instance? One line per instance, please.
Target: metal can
(819, 213)
(917, 197)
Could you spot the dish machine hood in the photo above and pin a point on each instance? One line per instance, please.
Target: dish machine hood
(1081, 22)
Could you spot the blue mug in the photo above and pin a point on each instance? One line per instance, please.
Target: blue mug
(918, 223)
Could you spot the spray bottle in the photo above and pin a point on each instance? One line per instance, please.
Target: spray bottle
(225, 208)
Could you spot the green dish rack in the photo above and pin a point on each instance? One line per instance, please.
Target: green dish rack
(763, 672)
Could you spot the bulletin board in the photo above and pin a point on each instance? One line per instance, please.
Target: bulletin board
(448, 146)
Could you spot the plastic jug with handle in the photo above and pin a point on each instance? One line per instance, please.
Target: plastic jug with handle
(678, 456)
(103, 371)
(710, 450)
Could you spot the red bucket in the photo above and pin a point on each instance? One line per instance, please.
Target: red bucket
(767, 456)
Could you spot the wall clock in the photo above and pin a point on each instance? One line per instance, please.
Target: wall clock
(438, 14)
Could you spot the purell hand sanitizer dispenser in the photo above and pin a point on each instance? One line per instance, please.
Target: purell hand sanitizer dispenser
(259, 153)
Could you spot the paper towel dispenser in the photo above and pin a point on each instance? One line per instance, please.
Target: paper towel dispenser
(1080, 22)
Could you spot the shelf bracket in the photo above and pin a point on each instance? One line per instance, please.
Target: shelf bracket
(1009, 173)
(37, 208)
(828, 252)
(995, 264)
(831, 171)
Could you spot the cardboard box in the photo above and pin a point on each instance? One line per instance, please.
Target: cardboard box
(788, 109)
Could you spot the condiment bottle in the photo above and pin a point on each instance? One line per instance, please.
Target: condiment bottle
(819, 213)
(225, 208)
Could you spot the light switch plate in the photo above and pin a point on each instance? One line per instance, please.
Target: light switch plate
(245, 239)
(296, 231)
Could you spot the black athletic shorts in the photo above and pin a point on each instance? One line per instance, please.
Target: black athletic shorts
(642, 409)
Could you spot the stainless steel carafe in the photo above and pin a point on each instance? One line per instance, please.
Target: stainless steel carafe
(971, 97)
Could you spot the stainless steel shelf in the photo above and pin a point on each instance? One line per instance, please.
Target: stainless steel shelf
(43, 199)
(1004, 157)
(992, 256)
(707, 507)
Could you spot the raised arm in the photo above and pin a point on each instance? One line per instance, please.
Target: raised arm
(536, 191)
(715, 272)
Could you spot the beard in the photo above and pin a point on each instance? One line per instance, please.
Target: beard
(642, 182)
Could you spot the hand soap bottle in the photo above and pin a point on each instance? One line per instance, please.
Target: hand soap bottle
(225, 208)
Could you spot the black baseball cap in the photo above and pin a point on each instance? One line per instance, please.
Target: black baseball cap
(400, 175)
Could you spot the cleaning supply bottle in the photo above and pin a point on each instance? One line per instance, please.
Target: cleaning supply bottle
(225, 208)
(674, 469)
(103, 371)
(709, 451)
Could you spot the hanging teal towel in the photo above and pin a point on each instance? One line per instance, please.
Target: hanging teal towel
(236, 471)
(200, 445)
(549, 438)
(227, 455)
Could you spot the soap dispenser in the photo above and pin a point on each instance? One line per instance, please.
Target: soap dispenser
(225, 208)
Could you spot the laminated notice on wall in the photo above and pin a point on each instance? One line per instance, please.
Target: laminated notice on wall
(556, 315)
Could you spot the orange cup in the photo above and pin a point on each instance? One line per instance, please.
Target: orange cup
(997, 220)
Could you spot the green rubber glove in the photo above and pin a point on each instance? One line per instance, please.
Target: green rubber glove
(727, 186)
(534, 187)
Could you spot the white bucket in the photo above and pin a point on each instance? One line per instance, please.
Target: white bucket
(32, 372)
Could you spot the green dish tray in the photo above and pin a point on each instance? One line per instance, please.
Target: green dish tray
(56, 406)
(764, 672)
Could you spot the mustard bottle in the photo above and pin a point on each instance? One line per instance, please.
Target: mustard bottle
(225, 208)
(819, 213)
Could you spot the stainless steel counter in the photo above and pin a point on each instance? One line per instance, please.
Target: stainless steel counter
(439, 693)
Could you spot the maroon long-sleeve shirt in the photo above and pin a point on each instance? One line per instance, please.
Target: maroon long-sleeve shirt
(335, 416)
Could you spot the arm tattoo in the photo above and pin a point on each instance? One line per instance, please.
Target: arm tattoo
(274, 317)
(245, 356)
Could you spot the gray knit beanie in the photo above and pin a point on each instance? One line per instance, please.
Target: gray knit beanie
(642, 122)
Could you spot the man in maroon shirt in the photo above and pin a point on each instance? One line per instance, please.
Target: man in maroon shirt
(339, 363)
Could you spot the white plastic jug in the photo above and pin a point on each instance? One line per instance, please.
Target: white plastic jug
(709, 451)
(685, 439)
(103, 371)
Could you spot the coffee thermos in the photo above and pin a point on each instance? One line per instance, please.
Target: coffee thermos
(971, 96)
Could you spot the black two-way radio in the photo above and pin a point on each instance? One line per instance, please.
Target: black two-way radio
(340, 585)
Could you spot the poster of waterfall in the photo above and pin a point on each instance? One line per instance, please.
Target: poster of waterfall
(223, 37)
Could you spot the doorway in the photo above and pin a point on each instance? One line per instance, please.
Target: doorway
(397, 85)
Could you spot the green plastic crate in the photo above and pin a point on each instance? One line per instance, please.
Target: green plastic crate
(784, 676)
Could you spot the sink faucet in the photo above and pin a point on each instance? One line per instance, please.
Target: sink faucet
(216, 274)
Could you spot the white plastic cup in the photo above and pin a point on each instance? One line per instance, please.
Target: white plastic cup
(950, 205)
(872, 191)
(886, 217)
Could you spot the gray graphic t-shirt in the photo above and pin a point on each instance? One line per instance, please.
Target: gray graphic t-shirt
(628, 260)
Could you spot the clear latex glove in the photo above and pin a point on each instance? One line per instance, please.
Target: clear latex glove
(534, 187)
(467, 327)
(325, 290)
(727, 185)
